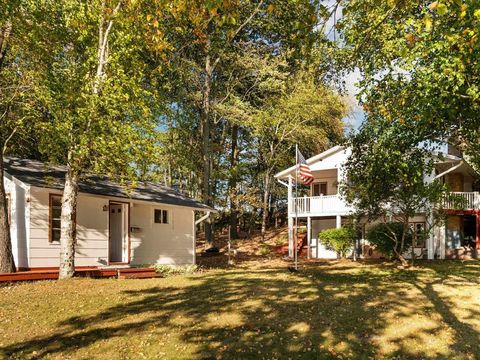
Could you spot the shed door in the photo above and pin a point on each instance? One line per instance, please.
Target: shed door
(118, 233)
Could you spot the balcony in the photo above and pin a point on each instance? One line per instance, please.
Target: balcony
(462, 201)
(326, 205)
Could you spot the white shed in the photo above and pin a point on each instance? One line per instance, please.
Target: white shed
(151, 224)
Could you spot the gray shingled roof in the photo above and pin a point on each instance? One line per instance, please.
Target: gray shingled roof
(38, 174)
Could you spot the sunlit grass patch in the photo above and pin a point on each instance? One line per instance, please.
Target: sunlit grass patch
(337, 309)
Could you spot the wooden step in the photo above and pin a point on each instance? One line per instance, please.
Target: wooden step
(140, 275)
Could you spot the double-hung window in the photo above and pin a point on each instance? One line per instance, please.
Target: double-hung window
(319, 189)
(55, 212)
(161, 216)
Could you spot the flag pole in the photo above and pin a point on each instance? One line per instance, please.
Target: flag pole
(296, 208)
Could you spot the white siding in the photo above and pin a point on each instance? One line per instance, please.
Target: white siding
(18, 213)
(92, 231)
(155, 243)
(170, 243)
(317, 226)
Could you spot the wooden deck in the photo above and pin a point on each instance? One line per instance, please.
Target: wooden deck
(91, 272)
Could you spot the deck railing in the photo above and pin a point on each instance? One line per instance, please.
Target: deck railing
(462, 200)
(326, 204)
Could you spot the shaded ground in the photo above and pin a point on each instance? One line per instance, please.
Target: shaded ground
(327, 310)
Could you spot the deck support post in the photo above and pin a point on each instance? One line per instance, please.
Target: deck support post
(339, 221)
(477, 232)
(309, 235)
(443, 238)
(290, 216)
(431, 242)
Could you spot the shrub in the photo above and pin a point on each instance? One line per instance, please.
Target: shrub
(175, 270)
(382, 238)
(281, 240)
(339, 240)
(264, 250)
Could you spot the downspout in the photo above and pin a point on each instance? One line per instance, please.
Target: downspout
(195, 223)
(203, 218)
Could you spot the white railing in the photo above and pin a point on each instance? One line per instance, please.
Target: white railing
(327, 204)
(462, 200)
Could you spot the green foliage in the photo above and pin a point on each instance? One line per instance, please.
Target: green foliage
(419, 66)
(389, 178)
(339, 240)
(281, 240)
(168, 270)
(387, 237)
(264, 250)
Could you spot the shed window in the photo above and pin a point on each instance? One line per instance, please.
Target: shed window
(161, 216)
(8, 197)
(54, 221)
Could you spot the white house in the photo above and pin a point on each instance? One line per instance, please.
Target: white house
(151, 224)
(322, 207)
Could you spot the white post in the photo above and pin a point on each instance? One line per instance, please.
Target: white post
(442, 238)
(339, 221)
(290, 216)
(309, 235)
(295, 252)
(430, 241)
(194, 238)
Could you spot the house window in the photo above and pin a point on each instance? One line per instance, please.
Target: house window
(319, 189)
(161, 216)
(8, 198)
(55, 213)
(419, 234)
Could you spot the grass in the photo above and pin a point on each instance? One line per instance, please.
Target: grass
(327, 310)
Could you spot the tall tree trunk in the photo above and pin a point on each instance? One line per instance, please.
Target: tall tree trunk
(68, 233)
(205, 129)
(4, 37)
(266, 200)
(232, 184)
(7, 263)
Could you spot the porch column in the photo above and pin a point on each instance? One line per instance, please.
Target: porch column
(339, 221)
(442, 239)
(477, 232)
(309, 235)
(430, 242)
(290, 216)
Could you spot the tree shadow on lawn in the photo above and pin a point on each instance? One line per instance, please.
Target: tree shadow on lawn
(317, 313)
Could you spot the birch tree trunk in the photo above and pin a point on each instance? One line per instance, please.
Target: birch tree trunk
(205, 129)
(7, 263)
(68, 232)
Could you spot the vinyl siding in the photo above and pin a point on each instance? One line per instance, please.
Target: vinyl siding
(162, 243)
(156, 243)
(18, 215)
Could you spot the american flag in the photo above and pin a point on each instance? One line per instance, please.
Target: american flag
(304, 171)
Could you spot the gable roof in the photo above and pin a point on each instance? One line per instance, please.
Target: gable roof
(39, 174)
(310, 161)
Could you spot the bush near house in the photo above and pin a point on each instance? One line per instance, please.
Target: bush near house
(340, 240)
(383, 236)
(176, 270)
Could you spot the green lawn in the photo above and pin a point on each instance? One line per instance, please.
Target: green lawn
(335, 310)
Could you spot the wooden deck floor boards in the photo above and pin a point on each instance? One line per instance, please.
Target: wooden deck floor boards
(49, 274)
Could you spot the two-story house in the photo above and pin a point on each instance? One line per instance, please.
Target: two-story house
(322, 207)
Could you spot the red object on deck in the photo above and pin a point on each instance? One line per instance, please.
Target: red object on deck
(91, 272)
